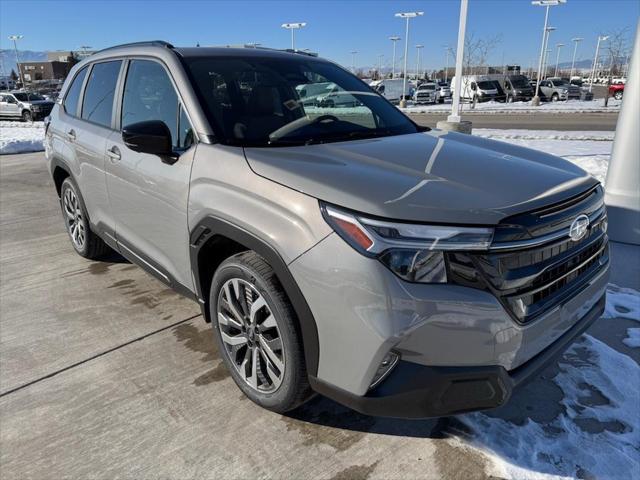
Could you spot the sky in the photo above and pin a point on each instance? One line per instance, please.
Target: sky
(334, 27)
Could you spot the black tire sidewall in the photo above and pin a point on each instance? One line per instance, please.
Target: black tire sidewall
(287, 392)
(27, 116)
(70, 184)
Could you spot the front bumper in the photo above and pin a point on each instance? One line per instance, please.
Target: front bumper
(420, 391)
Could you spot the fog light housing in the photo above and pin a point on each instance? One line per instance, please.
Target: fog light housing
(386, 366)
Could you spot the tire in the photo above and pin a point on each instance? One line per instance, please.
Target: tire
(441, 100)
(618, 95)
(555, 97)
(74, 213)
(510, 99)
(247, 278)
(27, 116)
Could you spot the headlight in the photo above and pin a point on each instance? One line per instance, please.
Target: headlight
(414, 252)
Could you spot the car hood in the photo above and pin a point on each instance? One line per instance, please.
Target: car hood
(38, 102)
(435, 176)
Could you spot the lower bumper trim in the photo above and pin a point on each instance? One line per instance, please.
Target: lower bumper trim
(419, 391)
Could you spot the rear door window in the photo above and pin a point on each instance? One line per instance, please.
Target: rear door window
(97, 105)
(73, 95)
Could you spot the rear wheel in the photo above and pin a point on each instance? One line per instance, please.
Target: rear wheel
(84, 241)
(256, 330)
(27, 116)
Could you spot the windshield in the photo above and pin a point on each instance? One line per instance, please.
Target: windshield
(431, 86)
(486, 85)
(267, 102)
(28, 97)
(519, 82)
(560, 83)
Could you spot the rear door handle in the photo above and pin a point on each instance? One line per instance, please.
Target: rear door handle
(114, 153)
(71, 135)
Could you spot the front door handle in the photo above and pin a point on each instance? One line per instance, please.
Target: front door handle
(113, 153)
(71, 135)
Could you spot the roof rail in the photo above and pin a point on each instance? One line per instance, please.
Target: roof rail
(149, 43)
(301, 52)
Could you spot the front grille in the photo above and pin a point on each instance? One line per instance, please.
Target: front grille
(532, 274)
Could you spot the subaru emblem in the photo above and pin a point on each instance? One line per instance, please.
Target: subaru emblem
(578, 227)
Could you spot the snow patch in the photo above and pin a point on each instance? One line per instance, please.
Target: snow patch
(575, 106)
(21, 137)
(597, 435)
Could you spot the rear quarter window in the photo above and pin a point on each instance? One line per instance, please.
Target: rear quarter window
(73, 95)
(97, 104)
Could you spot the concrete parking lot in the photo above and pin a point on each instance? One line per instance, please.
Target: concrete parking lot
(106, 373)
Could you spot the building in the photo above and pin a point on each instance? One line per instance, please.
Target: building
(33, 72)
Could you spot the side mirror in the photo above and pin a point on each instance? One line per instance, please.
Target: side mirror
(152, 136)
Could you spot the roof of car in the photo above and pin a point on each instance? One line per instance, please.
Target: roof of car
(240, 52)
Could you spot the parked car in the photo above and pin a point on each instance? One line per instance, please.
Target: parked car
(355, 254)
(616, 90)
(24, 105)
(426, 93)
(476, 88)
(444, 92)
(392, 89)
(618, 80)
(554, 90)
(515, 88)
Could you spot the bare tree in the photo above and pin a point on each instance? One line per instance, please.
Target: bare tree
(618, 45)
(476, 54)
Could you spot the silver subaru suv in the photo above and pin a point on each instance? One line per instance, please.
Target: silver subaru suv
(342, 250)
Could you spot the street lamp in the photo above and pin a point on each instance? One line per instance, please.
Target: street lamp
(601, 38)
(448, 50)
(394, 39)
(353, 60)
(408, 16)
(418, 48)
(559, 46)
(545, 62)
(15, 38)
(293, 27)
(575, 50)
(380, 57)
(546, 4)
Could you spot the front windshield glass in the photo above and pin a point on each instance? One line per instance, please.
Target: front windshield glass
(486, 85)
(431, 86)
(520, 82)
(28, 97)
(560, 83)
(262, 102)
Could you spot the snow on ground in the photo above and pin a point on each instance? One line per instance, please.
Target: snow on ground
(577, 106)
(590, 150)
(21, 137)
(597, 433)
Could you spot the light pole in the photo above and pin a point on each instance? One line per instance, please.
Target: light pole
(293, 27)
(419, 49)
(559, 46)
(447, 50)
(408, 16)
(547, 4)
(394, 39)
(353, 60)
(545, 62)
(453, 121)
(575, 50)
(15, 38)
(380, 57)
(601, 38)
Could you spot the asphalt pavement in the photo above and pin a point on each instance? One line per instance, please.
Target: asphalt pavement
(105, 373)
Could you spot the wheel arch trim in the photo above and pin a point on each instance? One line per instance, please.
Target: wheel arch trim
(211, 226)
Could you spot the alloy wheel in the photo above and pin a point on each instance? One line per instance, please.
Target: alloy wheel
(250, 335)
(74, 218)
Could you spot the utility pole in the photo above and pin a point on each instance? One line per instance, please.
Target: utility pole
(559, 46)
(418, 48)
(601, 38)
(394, 39)
(293, 27)
(575, 50)
(15, 39)
(547, 4)
(408, 16)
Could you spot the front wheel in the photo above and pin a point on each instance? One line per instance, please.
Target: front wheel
(27, 116)
(555, 97)
(617, 95)
(256, 330)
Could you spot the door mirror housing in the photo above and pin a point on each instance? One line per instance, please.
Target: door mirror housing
(152, 136)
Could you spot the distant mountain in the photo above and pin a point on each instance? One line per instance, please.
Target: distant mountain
(8, 59)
